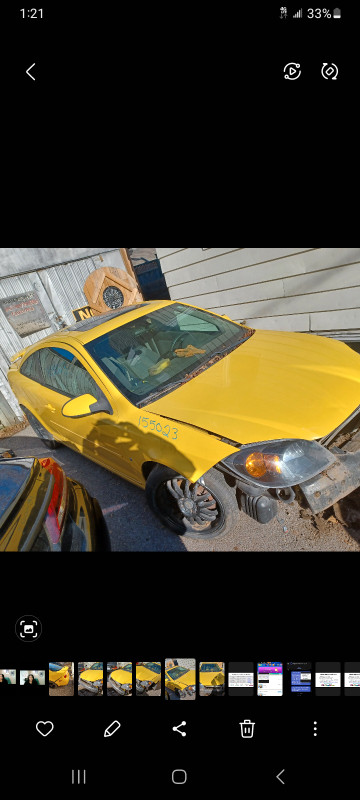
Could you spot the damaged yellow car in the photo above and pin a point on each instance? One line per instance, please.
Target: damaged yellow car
(148, 675)
(121, 679)
(179, 682)
(210, 416)
(92, 679)
(211, 678)
(58, 675)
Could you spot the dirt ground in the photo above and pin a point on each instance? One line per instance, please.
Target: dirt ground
(12, 429)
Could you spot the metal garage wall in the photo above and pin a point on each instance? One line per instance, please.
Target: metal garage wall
(298, 289)
(60, 289)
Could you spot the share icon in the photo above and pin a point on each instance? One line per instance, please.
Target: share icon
(176, 728)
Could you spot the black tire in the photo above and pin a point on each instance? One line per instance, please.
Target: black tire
(212, 510)
(46, 437)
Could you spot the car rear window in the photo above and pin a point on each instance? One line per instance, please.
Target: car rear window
(13, 478)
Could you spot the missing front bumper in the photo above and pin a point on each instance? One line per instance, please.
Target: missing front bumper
(334, 483)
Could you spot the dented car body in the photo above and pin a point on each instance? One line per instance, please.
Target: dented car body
(208, 415)
(121, 679)
(92, 679)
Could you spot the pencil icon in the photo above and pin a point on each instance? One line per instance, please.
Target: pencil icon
(112, 728)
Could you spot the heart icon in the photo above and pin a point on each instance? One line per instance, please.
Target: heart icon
(44, 727)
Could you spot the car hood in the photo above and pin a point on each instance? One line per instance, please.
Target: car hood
(275, 385)
(121, 676)
(211, 678)
(145, 674)
(91, 675)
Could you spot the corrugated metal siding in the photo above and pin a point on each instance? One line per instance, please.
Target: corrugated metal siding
(60, 290)
(299, 289)
(7, 415)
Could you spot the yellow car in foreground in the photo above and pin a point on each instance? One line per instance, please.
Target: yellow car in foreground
(58, 675)
(211, 679)
(92, 679)
(209, 416)
(179, 682)
(121, 679)
(148, 675)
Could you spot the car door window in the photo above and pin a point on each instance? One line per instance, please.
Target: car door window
(60, 370)
(32, 368)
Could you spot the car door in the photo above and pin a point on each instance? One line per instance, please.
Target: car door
(100, 436)
(65, 377)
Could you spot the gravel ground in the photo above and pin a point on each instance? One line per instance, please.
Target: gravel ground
(133, 527)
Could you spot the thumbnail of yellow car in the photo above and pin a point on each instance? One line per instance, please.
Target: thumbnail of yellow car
(211, 679)
(92, 679)
(148, 674)
(121, 679)
(211, 417)
(179, 682)
(58, 675)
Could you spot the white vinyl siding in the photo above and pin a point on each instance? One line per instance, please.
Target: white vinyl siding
(297, 289)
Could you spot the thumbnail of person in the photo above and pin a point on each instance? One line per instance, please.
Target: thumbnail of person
(32, 678)
(7, 677)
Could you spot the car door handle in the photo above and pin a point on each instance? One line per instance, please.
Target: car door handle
(50, 407)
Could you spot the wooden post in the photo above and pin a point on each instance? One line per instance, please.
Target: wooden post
(128, 266)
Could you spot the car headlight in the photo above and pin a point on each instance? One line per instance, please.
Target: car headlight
(281, 463)
(97, 683)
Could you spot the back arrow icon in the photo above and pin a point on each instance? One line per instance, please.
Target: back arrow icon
(278, 776)
(28, 71)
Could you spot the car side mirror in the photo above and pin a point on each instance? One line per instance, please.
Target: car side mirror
(85, 405)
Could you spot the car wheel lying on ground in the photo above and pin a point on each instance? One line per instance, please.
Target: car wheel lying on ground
(210, 416)
(41, 509)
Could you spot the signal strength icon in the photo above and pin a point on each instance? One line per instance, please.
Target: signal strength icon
(298, 14)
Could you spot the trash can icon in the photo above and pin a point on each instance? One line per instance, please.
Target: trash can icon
(247, 729)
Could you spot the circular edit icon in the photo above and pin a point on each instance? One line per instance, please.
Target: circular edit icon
(329, 71)
(28, 628)
(292, 71)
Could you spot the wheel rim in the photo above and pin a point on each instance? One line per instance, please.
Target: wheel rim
(190, 506)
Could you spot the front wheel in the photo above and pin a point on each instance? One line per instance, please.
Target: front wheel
(201, 510)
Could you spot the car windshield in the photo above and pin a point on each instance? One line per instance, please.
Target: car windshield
(210, 668)
(152, 666)
(177, 672)
(158, 351)
(54, 667)
(127, 667)
(98, 665)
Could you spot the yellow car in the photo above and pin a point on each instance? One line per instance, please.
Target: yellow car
(209, 416)
(121, 679)
(148, 674)
(179, 682)
(58, 675)
(92, 679)
(211, 678)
